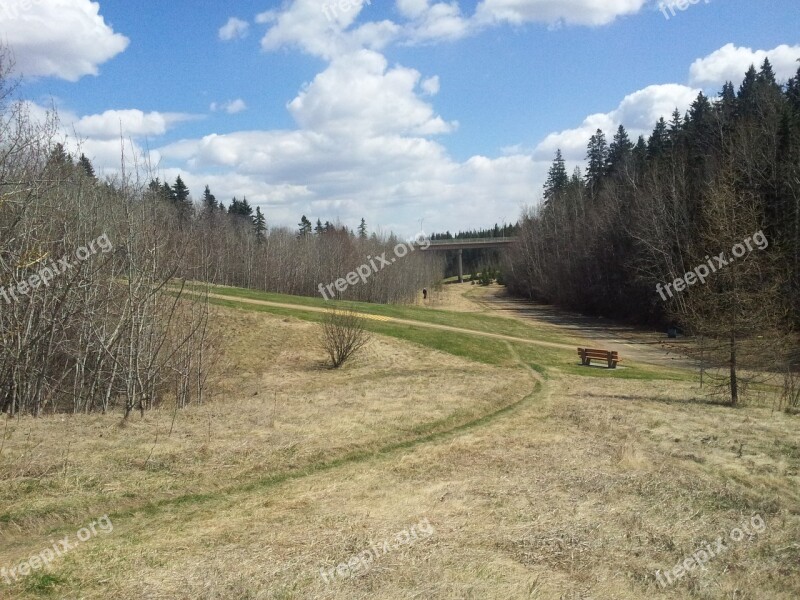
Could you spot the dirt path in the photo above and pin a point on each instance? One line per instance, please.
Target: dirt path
(315, 309)
(636, 344)
(633, 344)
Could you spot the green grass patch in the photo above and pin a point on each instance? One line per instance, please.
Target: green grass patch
(472, 321)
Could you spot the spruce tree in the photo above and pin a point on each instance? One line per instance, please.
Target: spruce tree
(209, 201)
(557, 179)
(259, 224)
(85, 164)
(597, 157)
(362, 229)
(659, 140)
(304, 227)
(619, 152)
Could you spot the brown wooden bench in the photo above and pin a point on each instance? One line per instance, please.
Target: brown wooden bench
(587, 354)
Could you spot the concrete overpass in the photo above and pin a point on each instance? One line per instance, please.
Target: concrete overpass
(466, 244)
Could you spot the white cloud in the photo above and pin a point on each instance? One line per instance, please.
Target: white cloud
(431, 85)
(325, 29)
(358, 94)
(306, 25)
(126, 123)
(554, 12)
(234, 29)
(436, 22)
(59, 38)
(730, 62)
(232, 107)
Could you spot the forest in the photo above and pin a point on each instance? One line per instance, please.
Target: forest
(652, 212)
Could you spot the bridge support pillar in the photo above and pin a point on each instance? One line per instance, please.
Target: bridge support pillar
(460, 266)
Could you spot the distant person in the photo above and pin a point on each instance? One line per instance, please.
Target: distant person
(424, 293)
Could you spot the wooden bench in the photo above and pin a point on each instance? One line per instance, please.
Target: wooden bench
(587, 354)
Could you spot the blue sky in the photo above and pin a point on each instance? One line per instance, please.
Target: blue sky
(410, 113)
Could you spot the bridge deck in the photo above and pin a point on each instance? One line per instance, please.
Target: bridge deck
(473, 244)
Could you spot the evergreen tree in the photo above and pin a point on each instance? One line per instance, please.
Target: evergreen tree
(362, 229)
(245, 209)
(167, 193)
(557, 179)
(659, 140)
(597, 157)
(209, 202)
(640, 155)
(747, 98)
(85, 164)
(259, 224)
(180, 190)
(675, 131)
(318, 229)
(619, 152)
(305, 227)
(180, 197)
(725, 108)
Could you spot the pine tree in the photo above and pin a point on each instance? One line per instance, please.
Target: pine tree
(747, 98)
(209, 202)
(659, 140)
(675, 131)
(305, 227)
(259, 224)
(362, 229)
(85, 164)
(619, 152)
(318, 229)
(167, 193)
(245, 209)
(180, 196)
(557, 179)
(597, 157)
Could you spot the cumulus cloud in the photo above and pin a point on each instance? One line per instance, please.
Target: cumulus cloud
(58, 38)
(436, 22)
(730, 62)
(232, 107)
(306, 25)
(127, 123)
(359, 93)
(234, 29)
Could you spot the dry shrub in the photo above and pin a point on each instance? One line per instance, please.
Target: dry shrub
(343, 335)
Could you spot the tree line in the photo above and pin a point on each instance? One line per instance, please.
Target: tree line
(120, 330)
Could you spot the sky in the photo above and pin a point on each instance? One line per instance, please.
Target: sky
(416, 115)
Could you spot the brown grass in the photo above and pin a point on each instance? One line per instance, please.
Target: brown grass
(582, 491)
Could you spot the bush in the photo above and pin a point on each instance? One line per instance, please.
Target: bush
(343, 335)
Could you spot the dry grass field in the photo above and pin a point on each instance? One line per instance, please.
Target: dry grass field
(519, 482)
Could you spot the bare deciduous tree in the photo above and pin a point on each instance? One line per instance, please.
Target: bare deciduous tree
(343, 335)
